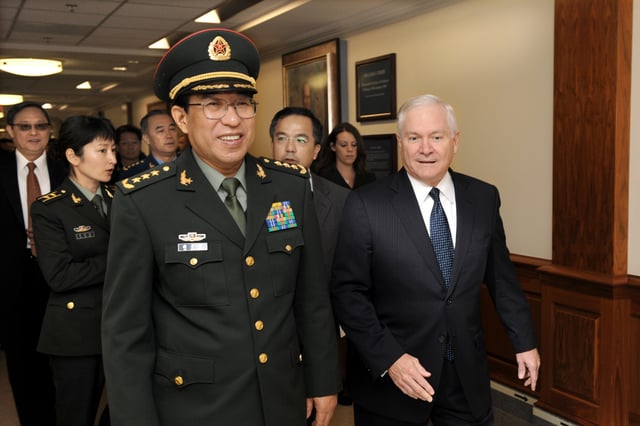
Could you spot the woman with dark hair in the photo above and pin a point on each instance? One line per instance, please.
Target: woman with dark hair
(343, 159)
(71, 231)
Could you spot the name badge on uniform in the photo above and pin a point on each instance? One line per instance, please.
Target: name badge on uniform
(83, 232)
(281, 217)
(193, 247)
(191, 242)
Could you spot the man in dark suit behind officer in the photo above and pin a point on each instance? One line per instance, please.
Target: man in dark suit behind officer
(216, 308)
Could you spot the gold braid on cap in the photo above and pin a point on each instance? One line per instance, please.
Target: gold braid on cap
(207, 76)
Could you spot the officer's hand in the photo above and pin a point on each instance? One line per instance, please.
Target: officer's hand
(325, 405)
(528, 366)
(410, 377)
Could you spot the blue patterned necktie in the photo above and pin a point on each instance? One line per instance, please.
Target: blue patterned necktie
(442, 246)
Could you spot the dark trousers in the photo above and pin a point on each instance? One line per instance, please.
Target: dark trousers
(450, 407)
(29, 372)
(79, 382)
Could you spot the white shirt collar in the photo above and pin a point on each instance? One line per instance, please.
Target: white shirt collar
(447, 190)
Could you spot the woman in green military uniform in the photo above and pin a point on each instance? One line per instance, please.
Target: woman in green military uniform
(71, 230)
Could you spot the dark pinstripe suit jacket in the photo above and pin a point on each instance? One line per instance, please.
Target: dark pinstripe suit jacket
(390, 298)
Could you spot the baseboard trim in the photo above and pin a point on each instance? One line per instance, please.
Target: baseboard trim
(528, 399)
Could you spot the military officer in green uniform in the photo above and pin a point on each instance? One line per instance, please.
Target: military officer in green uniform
(216, 308)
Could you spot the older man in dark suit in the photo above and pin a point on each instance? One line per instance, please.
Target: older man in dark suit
(24, 173)
(216, 309)
(413, 252)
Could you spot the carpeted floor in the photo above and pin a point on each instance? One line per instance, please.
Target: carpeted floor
(508, 410)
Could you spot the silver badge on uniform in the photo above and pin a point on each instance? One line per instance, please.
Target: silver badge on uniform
(191, 242)
(83, 232)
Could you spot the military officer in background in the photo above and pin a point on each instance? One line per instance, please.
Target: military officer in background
(160, 133)
(216, 304)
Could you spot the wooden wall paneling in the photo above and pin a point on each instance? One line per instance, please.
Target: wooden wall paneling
(634, 368)
(592, 74)
(586, 350)
(502, 365)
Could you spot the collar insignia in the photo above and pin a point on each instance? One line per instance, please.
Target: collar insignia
(191, 236)
(76, 199)
(261, 174)
(186, 181)
(219, 49)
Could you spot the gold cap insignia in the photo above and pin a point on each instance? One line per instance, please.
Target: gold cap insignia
(219, 49)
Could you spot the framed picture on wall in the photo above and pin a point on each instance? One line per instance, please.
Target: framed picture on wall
(376, 88)
(311, 80)
(382, 154)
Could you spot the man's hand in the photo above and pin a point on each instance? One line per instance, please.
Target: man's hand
(325, 405)
(410, 377)
(528, 365)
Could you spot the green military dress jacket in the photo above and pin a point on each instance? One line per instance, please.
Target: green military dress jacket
(202, 326)
(72, 240)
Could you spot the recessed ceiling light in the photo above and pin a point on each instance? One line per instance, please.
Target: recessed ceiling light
(119, 68)
(63, 107)
(30, 67)
(85, 85)
(210, 17)
(163, 43)
(47, 105)
(7, 99)
(109, 87)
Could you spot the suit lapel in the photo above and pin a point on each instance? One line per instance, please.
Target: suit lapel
(321, 201)
(83, 206)
(464, 212)
(204, 200)
(10, 182)
(407, 209)
(260, 196)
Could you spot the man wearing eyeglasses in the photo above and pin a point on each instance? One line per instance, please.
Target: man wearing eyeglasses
(216, 304)
(160, 133)
(25, 173)
(296, 136)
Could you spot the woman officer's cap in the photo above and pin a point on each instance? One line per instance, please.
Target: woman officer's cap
(212, 60)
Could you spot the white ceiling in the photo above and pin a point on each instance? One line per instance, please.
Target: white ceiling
(92, 36)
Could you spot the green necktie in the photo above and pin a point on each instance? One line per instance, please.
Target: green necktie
(97, 203)
(230, 185)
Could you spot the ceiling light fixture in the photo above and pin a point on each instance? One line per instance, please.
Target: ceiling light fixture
(85, 85)
(274, 14)
(30, 67)
(211, 17)
(47, 105)
(163, 43)
(109, 87)
(7, 99)
(122, 69)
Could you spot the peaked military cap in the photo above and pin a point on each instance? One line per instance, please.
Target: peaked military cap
(211, 60)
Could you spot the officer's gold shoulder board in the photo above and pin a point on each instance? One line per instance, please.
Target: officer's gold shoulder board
(132, 165)
(147, 178)
(52, 196)
(294, 169)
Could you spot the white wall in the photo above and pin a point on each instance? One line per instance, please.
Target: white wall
(493, 61)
